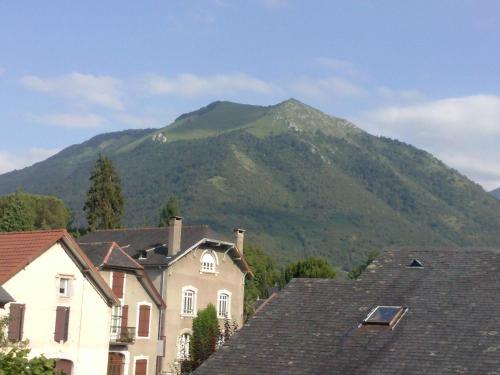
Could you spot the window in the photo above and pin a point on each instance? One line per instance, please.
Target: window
(16, 322)
(188, 301)
(143, 326)
(385, 315)
(183, 346)
(223, 304)
(63, 366)
(62, 322)
(208, 263)
(118, 283)
(116, 317)
(141, 367)
(64, 287)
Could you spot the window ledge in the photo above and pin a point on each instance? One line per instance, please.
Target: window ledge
(212, 272)
(188, 315)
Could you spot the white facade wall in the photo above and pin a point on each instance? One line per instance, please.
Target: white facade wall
(36, 286)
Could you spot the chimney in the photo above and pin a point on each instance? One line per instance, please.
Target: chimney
(174, 235)
(240, 237)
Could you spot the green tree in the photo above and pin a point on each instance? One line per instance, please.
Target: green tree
(104, 206)
(14, 357)
(206, 334)
(357, 271)
(310, 267)
(266, 273)
(171, 208)
(15, 214)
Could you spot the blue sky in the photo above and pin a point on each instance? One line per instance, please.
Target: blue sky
(426, 72)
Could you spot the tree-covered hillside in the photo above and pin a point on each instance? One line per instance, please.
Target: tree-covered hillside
(301, 182)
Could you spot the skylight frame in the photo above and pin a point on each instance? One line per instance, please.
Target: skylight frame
(401, 310)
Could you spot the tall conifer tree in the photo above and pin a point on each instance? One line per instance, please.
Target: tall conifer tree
(104, 205)
(171, 208)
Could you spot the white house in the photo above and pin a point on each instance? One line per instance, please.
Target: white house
(61, 303)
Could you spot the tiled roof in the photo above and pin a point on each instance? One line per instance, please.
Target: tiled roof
(313, 325)
(108, 254)
(17, 249)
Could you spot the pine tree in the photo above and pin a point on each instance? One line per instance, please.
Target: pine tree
(104, 205)
(171, 208)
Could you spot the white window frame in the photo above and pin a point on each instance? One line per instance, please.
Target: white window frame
(116, 318)
(195, 299)
(213, 255)
(185, 332)
(69, 285)
(228, 303)
(138, 357)
(139, 304)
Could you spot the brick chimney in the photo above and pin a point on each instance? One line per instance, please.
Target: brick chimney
(240, 237)
(174, 235)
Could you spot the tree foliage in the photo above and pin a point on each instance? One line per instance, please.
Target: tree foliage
(170, 209)
(21, 211)
(206, 335)
(14, 357)
(357, 271)
(310, 267)
(104, 207)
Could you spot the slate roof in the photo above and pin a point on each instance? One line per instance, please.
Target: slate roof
(5, 297)
(452, 324)
(109, 254)
(134, 241)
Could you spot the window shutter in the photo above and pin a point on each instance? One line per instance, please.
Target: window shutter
(144, 312)
(118, 279)
(141, 366)
(124, 323)
(62, 322)
(16, 322)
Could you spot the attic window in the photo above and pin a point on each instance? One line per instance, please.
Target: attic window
(415, 263)
(143, 254)
(385, 315)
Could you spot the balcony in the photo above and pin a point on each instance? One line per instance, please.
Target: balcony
(122, 335)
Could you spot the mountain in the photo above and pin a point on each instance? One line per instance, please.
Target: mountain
(496, 193)
(301, 182)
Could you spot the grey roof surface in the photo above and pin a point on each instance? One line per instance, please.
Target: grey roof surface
(108, 254)
(133, 241)
(452, 324)
(5, 297)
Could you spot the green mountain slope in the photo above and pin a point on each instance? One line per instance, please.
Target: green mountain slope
(496, 193)
(301, 182)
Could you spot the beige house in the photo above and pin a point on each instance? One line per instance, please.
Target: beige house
(191, 266)
(136, 344)
(62, 305)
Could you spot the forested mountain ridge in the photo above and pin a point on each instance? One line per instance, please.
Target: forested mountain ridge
(301, 182)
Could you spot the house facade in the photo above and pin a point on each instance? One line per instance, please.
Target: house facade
(61, 304)
(191, 266)
(136, 344)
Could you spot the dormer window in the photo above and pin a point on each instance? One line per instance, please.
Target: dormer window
(208, 263)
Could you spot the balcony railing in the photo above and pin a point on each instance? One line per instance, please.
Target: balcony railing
(122, 335)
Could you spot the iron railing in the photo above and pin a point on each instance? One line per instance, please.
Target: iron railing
(122, 335)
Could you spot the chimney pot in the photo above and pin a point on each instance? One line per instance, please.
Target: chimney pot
(174, 235)
(240, 237)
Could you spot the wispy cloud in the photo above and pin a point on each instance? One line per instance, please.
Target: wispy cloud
(340, 66)
(463, 131)
(138, 121)
(69, 120)
(10, 161)
(317, 88)
(273, 4)
(191, 85)
(103, 91)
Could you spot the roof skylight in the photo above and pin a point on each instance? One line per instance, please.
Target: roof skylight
(385, 315)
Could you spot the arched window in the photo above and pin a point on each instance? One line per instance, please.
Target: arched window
(189, 301)
(183, 346)
(224, 304)
(208, 263)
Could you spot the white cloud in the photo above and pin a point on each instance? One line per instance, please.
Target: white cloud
(10, 161)
(192, 85)
(395, 95)
(104, 91)
(463, 131)
(70, 120)
(318, 88)
(340, 66)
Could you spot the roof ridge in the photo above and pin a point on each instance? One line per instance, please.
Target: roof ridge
(150, 228)
(61, 230)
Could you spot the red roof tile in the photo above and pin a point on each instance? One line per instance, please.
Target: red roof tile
(18, 249)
